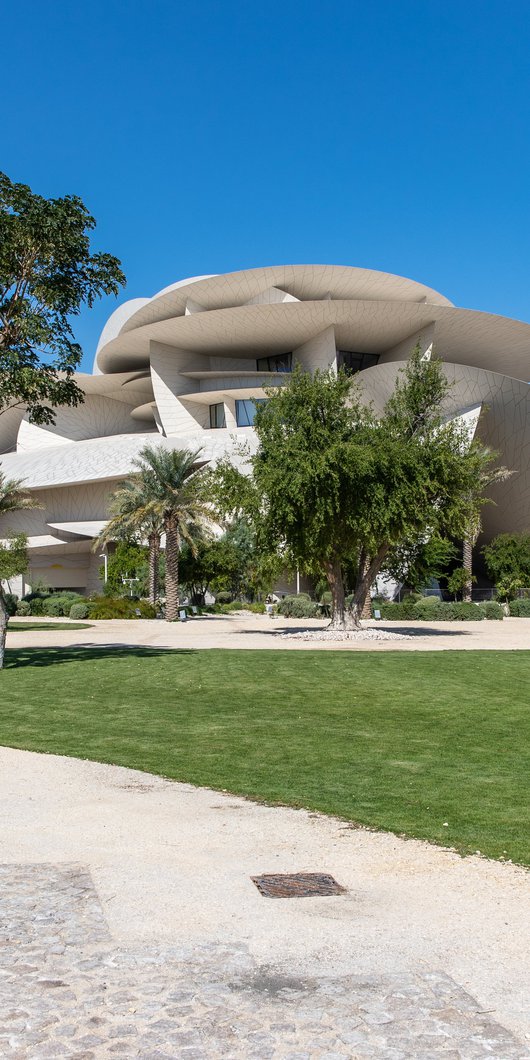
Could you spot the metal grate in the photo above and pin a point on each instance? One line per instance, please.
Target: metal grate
(297, 885)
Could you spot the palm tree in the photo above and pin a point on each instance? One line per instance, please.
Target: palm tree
(474, 527)
(174, 492)
(13, 560)
(132, 517)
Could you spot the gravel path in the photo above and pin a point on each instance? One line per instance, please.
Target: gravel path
(131, 927)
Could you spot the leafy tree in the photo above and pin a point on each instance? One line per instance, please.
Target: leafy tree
(330, 484)
(13, 556)
(174, 492)
(416, 563)
(47, 272)
(459, 581)
(507, 559)
(128, 561)
(133, 519)
(228, 563)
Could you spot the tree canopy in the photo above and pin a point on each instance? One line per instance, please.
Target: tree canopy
(507, 560)
(47, 273)
(333, 485)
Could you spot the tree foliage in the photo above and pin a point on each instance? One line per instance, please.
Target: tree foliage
(13, 555)
(47, 272)
(331, 484)
(507, 558)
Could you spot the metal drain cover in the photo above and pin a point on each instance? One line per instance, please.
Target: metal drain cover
(297, 885)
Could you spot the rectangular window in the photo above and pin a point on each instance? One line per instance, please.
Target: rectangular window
(246, 410)
(355, 362)
(280, 362)
(217, 415)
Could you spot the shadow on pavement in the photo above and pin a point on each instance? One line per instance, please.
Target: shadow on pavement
(407, 631)
(16, 657)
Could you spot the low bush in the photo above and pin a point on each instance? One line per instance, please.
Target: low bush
(493, 610)
(440, 611)
(400, 612)
(53, 607)
(23, 607)
(79, 610)
(105, 607)
(298, 607)
(11, 601)
(520, 608)
(224, 597)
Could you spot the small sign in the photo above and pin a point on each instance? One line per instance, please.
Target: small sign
(377, 613)
(183, 616)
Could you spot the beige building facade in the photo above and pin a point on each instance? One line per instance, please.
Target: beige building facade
(186, 367)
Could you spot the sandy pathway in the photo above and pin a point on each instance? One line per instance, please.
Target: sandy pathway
(172, 864)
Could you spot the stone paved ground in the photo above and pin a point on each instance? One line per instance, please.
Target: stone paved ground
(68, 991)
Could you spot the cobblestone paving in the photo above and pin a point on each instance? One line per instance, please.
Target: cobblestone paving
(67, 990)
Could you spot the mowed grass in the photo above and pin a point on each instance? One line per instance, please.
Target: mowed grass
(429, 744)
(33, 627)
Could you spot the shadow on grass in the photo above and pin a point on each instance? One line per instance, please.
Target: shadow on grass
(15, 658)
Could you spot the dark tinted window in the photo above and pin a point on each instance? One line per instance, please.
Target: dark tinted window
(355, 362)
(217, 415)
(280, 362)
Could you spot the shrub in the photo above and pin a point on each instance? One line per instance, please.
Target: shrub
(104, 607)
(297, 607)
(23, 607)
(36, 606)
(53, 607)
(224, 597)
(493, 610)
(403, 612)
(79, 610)
(520, 608)
(440, 612)
(11, 601)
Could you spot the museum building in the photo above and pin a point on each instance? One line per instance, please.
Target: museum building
(185, 369)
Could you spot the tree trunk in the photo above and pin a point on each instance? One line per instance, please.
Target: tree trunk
(467, 563)
(154, 557)
(370, 569)
(340, 618)
(172, 570)
(4, 619)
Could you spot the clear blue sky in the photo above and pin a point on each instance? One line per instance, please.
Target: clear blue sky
(224, 134)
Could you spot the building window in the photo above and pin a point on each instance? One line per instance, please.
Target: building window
(281, 362)
(217, 415)
(246, 410)
(355, 362)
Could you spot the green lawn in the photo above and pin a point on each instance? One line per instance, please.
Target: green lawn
(403, 741)
(32, 627)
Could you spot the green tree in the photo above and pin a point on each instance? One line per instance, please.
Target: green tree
(13, 556)
(174, 492)
(133, 519)
(47, 272)
(416, 563)
(507, 559)
(331, 485)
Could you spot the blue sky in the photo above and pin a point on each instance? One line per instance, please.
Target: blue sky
(220, 135)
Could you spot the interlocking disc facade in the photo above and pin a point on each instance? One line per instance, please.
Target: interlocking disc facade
(184, 368)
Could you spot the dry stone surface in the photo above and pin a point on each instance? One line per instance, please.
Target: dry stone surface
(68, 991)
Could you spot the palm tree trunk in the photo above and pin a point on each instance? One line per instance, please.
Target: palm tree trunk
(467, 563)
(172, 570)
(154, 557)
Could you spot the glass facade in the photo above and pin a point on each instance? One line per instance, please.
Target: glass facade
(280, 362)
(355, 362)
(217, 415)
(246, 410)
